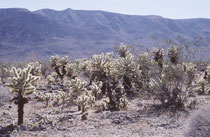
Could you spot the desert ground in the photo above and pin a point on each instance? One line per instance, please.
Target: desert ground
(139, 119)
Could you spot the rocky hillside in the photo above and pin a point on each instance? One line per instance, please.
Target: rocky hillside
(79, 33)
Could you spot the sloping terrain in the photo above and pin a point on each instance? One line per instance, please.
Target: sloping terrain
(79, 33)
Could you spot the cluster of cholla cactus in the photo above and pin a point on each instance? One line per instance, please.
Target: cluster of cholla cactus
(79, 94)
(21, 85)
(76, 89)
(128, 70)
(61, 66)
(60, 96)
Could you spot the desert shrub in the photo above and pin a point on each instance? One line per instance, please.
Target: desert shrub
(171, 83)
(199, 123)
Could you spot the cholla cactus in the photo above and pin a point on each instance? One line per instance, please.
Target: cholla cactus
(84, 66)
(128, 70)
(101, 66)
(189, 69)
(147, 66)
(205, 80)
(53, 77)
(202, 82)
(77, 88)
(92, 100)
(174, 54)
(70, 70)
(63, 95)
(105, 103)
(21, 85)
(96, 88)
(123, 50)
(45, 97)
(36, 68)
(158, 54)
(101, 62)
(59, 65)
(82, 102)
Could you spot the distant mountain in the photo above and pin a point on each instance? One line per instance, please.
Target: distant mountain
(80, 33)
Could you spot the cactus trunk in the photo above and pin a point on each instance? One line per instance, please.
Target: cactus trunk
(79, 108)
(20, 102)
(20, 110)
(110, 96)
(83, 109)
(127, 85)
(202, 89)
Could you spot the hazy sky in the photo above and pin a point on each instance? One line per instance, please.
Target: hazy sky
(177, 9)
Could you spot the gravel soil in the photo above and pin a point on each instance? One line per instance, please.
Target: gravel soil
(140, 119)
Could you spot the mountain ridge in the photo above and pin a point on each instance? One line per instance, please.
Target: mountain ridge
(80, 33)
